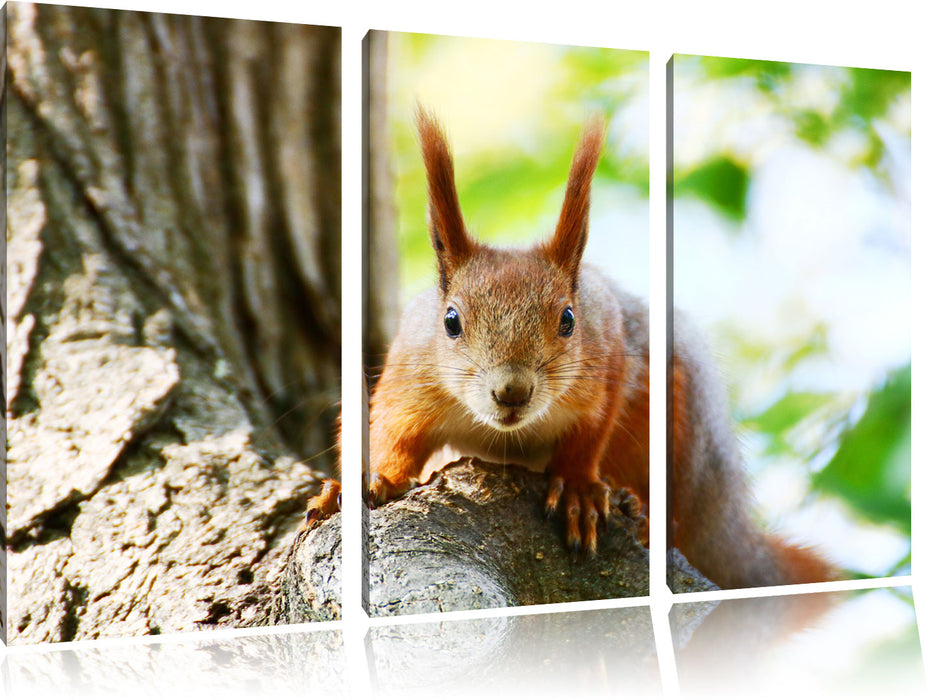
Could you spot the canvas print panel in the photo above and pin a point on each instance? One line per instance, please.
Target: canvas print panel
(790, 246)
(500, 336)
(172, 314)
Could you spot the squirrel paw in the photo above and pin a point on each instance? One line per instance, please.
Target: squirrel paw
(382, 489)
(632, 507)
(321, 507)
(586, 506)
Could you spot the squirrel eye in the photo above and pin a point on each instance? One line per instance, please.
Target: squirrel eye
(452, 323)
(566, 322)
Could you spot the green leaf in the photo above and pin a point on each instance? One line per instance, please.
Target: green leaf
(812, 127)
(788, 411)
(902, 567)
(815, 344)
(765, 73)
(786, 414)
(591, 67)
(721, 181)
(871, 468)
(871, 92)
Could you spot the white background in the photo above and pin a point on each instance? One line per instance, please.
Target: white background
(893, 35)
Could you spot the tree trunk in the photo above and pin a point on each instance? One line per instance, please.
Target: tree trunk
(172, 313)
(381, 280)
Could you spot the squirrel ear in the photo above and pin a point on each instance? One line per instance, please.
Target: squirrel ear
(566, 246)
(452, 244)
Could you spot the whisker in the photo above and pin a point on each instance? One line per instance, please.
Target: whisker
(322, 453)
(475, 363)
(431, 365)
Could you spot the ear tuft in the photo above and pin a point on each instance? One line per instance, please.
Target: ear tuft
(566, 246)
(452, 244)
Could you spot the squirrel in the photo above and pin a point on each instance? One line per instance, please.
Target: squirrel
(535, 358)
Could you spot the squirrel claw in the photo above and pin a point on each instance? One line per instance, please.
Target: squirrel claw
(376, 492)
(553, 496)
(631, 506)
(319, 508)
(382, 490)
(585, 506)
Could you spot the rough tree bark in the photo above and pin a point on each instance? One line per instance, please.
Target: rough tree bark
(172, 313)
(473, 537)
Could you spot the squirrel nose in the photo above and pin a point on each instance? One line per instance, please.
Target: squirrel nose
(513, 395)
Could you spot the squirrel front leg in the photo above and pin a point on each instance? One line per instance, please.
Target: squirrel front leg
(399, 444)
(575, 474)
(323, 505)
(576, 484)
(398, 450)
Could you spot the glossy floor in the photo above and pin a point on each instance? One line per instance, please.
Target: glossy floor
(836, 644)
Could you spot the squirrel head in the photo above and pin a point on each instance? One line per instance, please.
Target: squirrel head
(509, 333)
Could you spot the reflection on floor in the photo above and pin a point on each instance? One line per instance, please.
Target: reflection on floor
(829, 643)
(599, 653)
(833, 644)
(275, 664)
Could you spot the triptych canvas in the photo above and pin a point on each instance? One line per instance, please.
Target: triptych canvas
(172, 314)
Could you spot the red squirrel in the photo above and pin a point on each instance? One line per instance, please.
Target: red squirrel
(535, 358)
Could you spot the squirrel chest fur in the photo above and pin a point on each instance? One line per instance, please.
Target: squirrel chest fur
(531, 357)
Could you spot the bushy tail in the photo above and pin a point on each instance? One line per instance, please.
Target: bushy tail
(800, 564)
(712, 515)
(729, 549)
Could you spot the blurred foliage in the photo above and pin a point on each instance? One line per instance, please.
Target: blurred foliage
(509, 182)
(869, 466)
(854, 447)
(722, 181)
(766, 74)
(860, 98)
(871, 469)
(788, 423)
(781, 418)
(769, 360)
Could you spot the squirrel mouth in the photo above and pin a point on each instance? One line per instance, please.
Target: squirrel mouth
(510, 419)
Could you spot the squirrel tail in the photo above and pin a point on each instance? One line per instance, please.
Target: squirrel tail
(711, 507)
(799, 563)
(732, 551)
